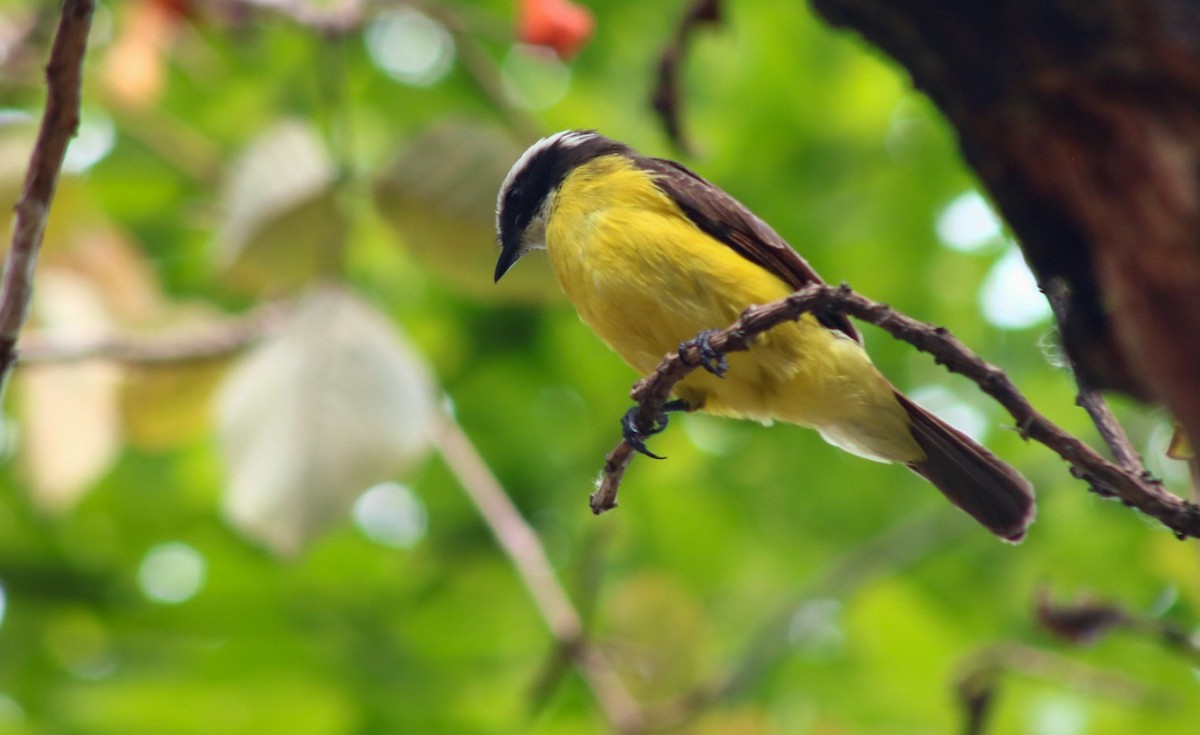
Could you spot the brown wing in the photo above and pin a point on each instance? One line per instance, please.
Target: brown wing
(723, 217)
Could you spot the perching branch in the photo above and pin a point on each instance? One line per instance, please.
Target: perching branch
(523, 547)
(1104, 477)
(64, 78)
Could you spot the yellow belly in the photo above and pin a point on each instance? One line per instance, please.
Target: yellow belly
(645, 279)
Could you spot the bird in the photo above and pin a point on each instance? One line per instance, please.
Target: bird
(655, 258)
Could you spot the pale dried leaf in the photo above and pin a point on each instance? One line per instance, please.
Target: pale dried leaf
(135, 66)
(69, 414)
(120, 272)
(332, 404)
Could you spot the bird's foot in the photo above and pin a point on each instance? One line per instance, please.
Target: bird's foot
(636, 436)
(711, 360)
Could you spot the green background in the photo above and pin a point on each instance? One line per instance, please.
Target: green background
(851, 595)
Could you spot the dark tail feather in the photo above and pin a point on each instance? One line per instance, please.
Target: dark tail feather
(972, 478)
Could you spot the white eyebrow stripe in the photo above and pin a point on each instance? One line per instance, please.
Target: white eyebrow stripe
(572, 138)
(567, 138)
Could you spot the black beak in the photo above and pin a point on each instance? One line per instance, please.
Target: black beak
(509, 255)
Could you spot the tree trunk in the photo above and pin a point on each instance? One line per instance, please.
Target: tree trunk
(1082, 119)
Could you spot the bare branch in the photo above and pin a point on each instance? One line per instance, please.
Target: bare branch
(1104, 477)
(203, 343)
(64, 78)
(525, 550)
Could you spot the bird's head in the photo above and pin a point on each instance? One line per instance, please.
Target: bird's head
(527, 194)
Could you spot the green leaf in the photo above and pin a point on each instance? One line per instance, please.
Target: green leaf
(283, 226)
(440, 196)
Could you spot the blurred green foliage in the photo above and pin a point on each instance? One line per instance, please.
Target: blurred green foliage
(850, 591)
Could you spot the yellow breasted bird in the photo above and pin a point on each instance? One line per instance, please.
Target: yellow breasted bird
(652, 256)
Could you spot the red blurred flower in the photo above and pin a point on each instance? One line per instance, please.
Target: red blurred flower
(558, 24)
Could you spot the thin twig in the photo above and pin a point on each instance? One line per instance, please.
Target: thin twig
(667, 95)
(1103, 477)
(208, 342)
(1110, 429)
(64, 78)
(525, 549)
(980, 674)
(1091, 399)
(1085, 621)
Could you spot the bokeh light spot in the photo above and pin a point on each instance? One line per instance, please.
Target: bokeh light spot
(953, 409)
(968, 223)
(815, 629)
(95, 139)
(392, 515)
(78, 641)
(1173, 472)
(534, 77)
(410, 47)
(1009, 297)
(11, 713)
(710, 434)
(10, 116)
(1058, 716)
(172, 573)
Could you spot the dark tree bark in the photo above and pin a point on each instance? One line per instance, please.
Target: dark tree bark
(1082, 119)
